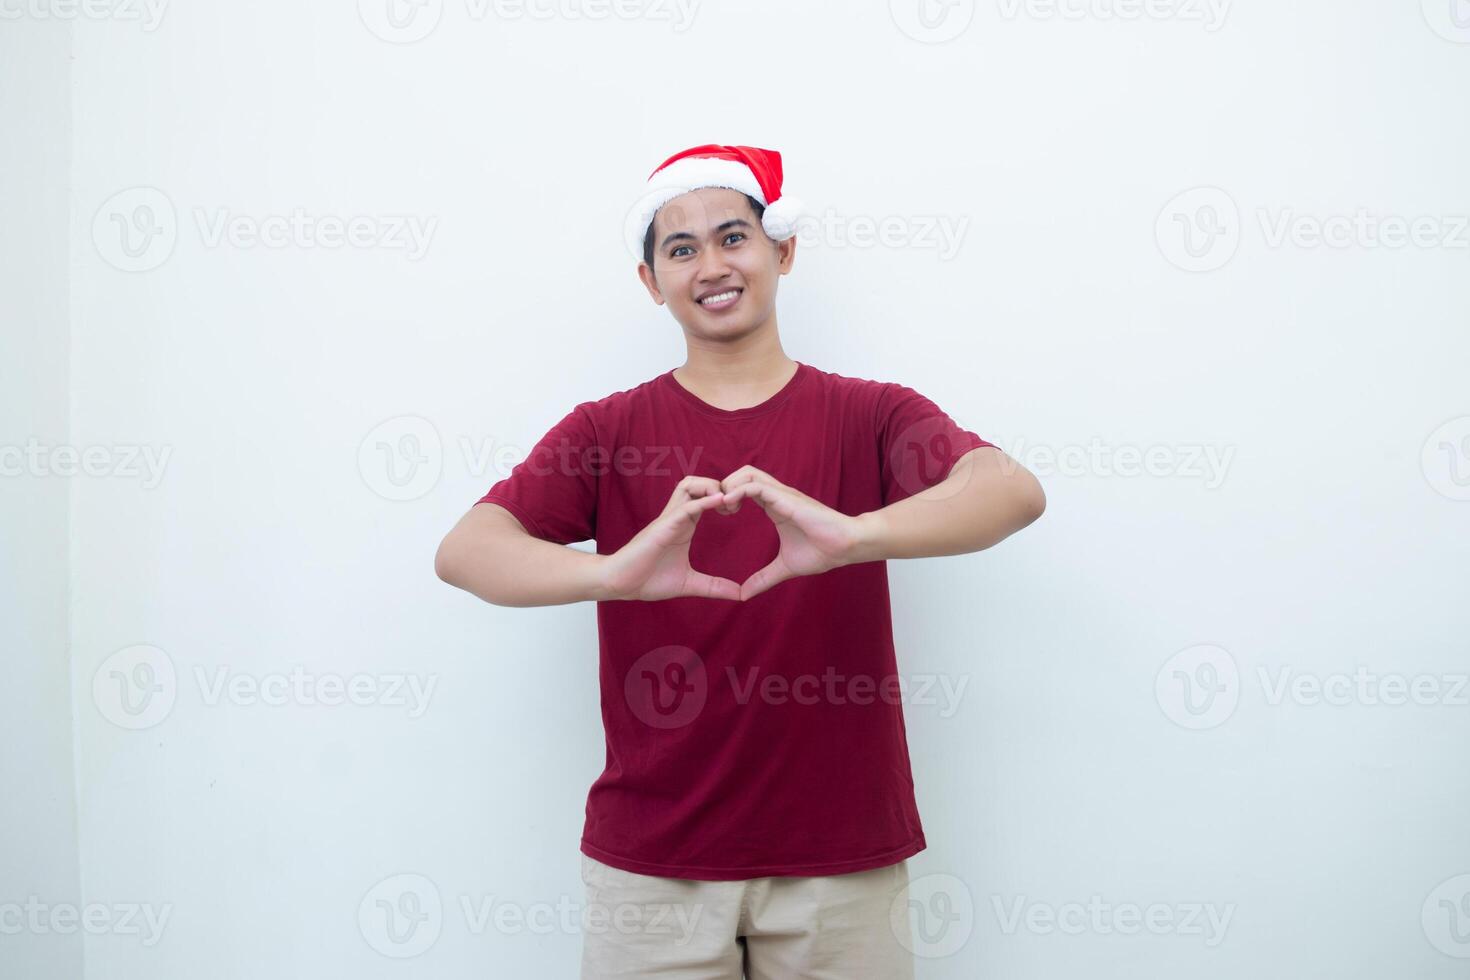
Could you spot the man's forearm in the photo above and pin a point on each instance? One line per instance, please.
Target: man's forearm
(509, 567)
(986, 498)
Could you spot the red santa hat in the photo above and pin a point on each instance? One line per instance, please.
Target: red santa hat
(748, 169)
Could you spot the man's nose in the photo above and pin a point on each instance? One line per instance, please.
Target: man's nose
(712, 266)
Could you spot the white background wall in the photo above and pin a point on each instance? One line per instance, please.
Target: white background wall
(243, 521)
(38, 801)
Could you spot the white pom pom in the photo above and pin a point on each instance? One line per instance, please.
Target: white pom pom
(780, 219)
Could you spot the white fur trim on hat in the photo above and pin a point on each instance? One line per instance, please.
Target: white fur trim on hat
(691, 173)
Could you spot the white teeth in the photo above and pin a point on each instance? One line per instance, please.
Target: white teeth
(718, 297)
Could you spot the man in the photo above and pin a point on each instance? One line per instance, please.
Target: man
(758, 786)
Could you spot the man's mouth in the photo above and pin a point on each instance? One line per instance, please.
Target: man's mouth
(721, 300)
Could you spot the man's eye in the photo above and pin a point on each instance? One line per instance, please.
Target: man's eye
(677, 250)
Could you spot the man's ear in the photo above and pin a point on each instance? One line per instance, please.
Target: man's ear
(649, 283)
(786, 254)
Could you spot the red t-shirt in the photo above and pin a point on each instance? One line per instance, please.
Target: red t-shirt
(755, 738)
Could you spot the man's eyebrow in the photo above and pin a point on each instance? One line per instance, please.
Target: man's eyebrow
(732, 223)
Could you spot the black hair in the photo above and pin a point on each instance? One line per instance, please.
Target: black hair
(755, 206)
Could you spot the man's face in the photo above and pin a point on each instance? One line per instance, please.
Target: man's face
(709, 242)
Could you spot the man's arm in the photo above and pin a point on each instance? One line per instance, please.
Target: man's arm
(490, 555)
(986, 498)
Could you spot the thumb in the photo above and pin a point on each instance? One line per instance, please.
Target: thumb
(773, 574)
(700, 585)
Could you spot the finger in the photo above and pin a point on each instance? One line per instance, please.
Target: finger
(745, 474)
(767, 497)
(732, 495)
(728, 505)
(704, 586)
(733, 482)
(678, 525)
(748, 489)
(682, 519)
(752, 490)
(760, 581)
(692, 488)
(699, 505)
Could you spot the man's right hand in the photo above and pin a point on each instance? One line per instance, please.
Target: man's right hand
(655, 563)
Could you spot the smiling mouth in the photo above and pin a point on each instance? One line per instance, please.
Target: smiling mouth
(722, 300)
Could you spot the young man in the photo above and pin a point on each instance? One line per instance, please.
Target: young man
(757, 787)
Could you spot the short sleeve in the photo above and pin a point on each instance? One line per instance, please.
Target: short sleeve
(553, 491)
(918, 443)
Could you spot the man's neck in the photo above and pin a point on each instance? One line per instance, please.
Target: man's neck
(735, 379)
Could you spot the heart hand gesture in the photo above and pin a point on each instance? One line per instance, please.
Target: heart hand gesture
(814, 537)
(654, 564)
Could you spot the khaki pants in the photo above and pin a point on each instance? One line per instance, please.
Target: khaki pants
(833, 927)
